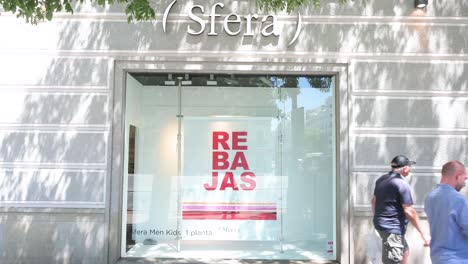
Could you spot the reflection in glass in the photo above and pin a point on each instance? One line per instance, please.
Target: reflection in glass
(131, 172)
(257, 166)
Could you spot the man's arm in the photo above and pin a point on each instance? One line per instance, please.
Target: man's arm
(462, 217)
(412, 216)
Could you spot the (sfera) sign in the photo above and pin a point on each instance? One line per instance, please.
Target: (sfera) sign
(242, 24)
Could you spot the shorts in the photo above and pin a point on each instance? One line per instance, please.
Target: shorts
(393, 247)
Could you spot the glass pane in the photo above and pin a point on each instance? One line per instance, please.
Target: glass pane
(230, 192)
(309, 164)
(251, 176)
(151, 190)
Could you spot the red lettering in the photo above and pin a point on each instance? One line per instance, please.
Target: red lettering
(229, 182)
(214, 182)
(239, 137)
(220, 160)
(249, 178)
(220, 138)
(239, 161)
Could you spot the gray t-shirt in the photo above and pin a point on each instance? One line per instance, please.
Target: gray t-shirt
(391, 192)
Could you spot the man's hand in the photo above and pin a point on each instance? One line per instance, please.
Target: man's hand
(427, 240)
(412, 216)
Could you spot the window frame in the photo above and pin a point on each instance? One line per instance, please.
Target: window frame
(236, 65)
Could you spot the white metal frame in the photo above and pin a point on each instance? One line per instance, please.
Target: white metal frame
(226, 64)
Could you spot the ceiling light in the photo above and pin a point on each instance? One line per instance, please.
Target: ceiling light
(420, 3)
(211, 81)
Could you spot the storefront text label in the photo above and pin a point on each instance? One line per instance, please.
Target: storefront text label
(269, 23)
(220, 162)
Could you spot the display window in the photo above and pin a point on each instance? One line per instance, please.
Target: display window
(229, 166)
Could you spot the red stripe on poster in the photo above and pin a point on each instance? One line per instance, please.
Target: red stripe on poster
(228, 215)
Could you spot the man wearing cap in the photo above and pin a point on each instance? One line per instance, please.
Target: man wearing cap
(447, 211)
(392, 206)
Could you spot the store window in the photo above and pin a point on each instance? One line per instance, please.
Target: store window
(229, 166)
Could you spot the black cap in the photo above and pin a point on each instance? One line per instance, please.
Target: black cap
(401, 161)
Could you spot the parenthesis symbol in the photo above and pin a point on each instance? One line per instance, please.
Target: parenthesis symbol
(298, 29)
(166, 14)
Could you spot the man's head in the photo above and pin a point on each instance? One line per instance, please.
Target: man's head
(454, 174)
(402, 165)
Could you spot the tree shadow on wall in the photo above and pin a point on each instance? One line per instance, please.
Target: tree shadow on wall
(54, 152)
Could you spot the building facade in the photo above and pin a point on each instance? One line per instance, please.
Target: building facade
(221, 131)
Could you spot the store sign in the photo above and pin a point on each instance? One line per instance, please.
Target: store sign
(233, 24)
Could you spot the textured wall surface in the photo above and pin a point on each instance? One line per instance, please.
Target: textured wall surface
(408, 93)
